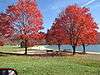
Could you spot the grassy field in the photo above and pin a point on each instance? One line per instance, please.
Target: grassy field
(69, 65)
(9, 48)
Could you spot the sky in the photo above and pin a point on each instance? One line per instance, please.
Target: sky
(50, 9)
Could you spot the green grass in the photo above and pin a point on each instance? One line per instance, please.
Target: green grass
(9, 48)
(69, 65)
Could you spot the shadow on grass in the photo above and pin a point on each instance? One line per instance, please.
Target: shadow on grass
(67, 53)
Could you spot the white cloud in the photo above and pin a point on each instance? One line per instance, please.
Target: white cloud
(88, 3)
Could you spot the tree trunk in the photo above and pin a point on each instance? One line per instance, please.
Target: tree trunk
(22, 44)
(59, 47)
(25, 47)
(84, 49)
(74, 48)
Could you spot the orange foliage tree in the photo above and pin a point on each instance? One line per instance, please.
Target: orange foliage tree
(6, 30)
(26, 19)
(79, 26)
(56, 35)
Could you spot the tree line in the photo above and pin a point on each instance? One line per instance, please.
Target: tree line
(74, 25)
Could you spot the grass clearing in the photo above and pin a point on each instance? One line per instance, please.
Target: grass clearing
(88, 64)
(9, 48)
(69, 65)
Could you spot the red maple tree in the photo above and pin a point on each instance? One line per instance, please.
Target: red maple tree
(6, 30)
(5, 27)
(79, 26)
(26, 19)
(56, 35)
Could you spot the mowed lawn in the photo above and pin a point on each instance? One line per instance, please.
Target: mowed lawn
(9, 48)
(67, 65)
